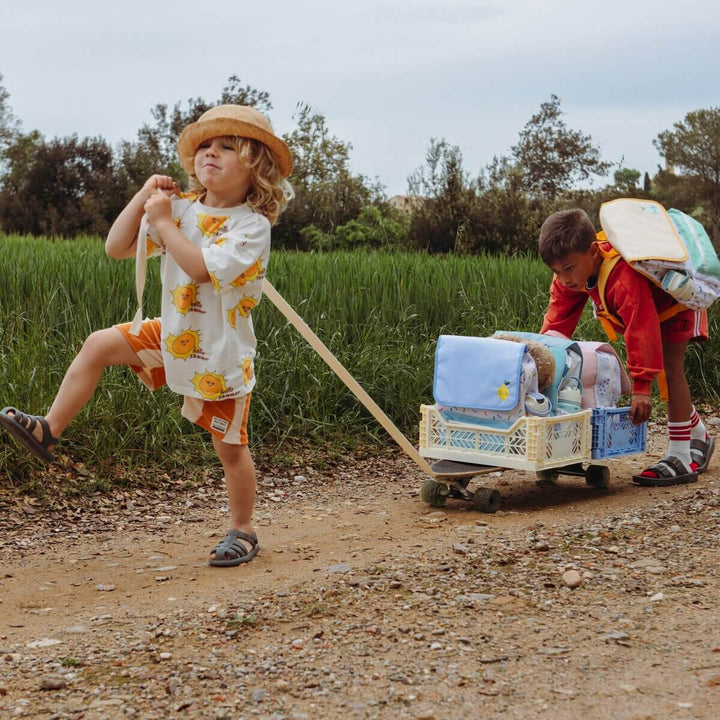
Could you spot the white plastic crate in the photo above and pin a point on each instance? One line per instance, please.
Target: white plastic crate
(531, 443)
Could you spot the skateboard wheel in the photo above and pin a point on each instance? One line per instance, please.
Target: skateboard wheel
(434, 493)
(486, 500)
(598, 476)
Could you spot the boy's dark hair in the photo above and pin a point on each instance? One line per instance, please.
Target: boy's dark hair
(565, 232)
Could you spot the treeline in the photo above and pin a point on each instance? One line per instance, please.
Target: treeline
(71, 186)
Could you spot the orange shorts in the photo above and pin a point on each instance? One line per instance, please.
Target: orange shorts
(688, 325)
(225, 419)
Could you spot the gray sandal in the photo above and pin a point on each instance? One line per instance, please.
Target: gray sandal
(701, 452)
(669, 471)
(21, 427)
(230, 551)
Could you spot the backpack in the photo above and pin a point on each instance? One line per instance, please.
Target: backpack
(604, 380)
(669, 247)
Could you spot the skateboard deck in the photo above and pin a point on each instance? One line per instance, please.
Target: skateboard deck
(450, 469)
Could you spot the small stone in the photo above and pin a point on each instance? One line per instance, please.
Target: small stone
(460, 549)
(258, 696)
(165, 656)
(76, 630)
(300, 479)
(45, 642)
(572, 578)
(105, 588)
(657, 597)
(436, 646)
(52, 682)
(338, 569)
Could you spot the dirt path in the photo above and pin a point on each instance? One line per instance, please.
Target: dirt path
(366, 603)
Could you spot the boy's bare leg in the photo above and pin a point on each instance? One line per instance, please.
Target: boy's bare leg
(239, 470)
(101, 349)
(679, 398)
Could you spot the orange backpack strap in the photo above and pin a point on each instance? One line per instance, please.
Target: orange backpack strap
(611, 258)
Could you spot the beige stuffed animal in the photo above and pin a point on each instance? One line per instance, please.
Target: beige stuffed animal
(541, 354)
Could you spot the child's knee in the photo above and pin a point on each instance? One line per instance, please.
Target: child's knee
(99, 345)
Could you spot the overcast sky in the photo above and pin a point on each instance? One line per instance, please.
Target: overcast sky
(388, 75)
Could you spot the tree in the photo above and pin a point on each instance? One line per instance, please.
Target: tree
(62, 187)
(327, 193)
(693, 147)
(8, 124)
(626, 180)
(443, 221)
(647, 183)
(551, 156)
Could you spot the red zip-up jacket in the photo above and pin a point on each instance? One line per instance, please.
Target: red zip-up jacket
(632, 298)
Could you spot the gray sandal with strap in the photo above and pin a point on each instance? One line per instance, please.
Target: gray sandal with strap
(21, 426)
(230, 551)
(669, 471)
(701, 452)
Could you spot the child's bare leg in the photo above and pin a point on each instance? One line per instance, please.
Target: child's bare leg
(101, 349)
(239, 470)
(676, 467)
(679, 398)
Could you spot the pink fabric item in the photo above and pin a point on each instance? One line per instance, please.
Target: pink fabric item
(590, 350)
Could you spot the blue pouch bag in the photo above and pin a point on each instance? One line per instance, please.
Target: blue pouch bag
(478, 373)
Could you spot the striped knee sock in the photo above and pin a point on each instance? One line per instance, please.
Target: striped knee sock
(698, 429)
(679, 434)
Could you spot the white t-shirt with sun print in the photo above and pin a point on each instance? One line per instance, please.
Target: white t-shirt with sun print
(208, 342)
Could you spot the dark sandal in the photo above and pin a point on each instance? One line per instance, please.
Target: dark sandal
(669, 471)
(229, 551)
(701, 452)
(21, 426)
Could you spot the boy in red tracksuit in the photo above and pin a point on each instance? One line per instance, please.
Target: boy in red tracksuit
(633, 306)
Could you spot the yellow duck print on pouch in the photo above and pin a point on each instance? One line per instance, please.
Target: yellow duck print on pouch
(210, 225)
(185, 298)
(183, 346)
(210, 385)
(503, 391)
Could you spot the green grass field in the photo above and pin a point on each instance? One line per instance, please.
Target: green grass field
(380, 313)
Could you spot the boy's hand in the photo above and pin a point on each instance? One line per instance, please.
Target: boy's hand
(159, 182)
(640, 408)
(158, 208)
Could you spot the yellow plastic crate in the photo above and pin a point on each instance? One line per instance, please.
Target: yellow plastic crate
(531, 443)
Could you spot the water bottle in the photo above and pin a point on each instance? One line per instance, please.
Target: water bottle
(678, 284)
(570, 396)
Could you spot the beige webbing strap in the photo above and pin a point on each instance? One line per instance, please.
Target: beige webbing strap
(140, 271)
(336, 366)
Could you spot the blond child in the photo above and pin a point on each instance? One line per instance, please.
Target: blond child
(214, 243)
(569, 246)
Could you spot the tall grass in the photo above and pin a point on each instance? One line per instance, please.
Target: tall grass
(380, 313)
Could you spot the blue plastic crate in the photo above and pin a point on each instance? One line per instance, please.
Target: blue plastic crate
(613, 433)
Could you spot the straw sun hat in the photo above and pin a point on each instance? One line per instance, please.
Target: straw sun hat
(238, 120)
